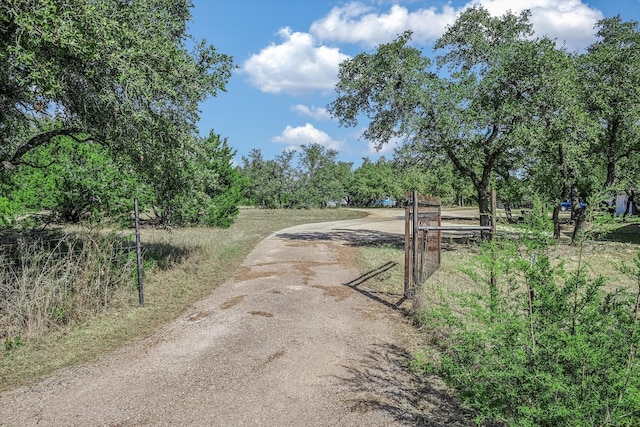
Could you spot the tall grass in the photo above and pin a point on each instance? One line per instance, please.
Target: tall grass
(54, 279)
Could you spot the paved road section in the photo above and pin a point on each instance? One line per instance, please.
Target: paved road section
(295, 338)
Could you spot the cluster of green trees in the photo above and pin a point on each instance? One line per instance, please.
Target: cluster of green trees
(99, 104)
(505, 108)
(73, 181)
(497, 108)
(313, 177)
(307, 180)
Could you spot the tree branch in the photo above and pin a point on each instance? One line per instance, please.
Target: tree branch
(33, 165)
(462, 169)
(42, 139)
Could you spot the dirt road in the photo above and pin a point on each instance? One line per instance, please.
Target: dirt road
(293, 339)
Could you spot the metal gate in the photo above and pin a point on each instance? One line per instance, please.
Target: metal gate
(422, 249)
(423, 233)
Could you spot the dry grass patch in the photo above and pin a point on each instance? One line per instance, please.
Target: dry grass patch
(371, 257)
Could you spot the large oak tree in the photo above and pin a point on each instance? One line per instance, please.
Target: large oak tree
(125, 74)
(470, 108)
(610, 78)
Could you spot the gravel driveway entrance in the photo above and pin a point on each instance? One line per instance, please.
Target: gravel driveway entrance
(286, 342)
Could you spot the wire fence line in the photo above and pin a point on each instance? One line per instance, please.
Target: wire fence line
(52, 278)
(13, 253)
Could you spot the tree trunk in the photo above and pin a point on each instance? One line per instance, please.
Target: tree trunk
(481, 184)
(580, 217)
(577, 213)
(575, 202)
(484, 205)
(556, 222)
(630, 200)
(507, 210)
(564, 190)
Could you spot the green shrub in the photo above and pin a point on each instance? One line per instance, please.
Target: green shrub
(541, 346)
(223, 208)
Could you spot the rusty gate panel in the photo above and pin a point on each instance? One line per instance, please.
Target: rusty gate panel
(422, 248)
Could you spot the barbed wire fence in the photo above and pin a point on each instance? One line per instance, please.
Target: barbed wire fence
(51, 278)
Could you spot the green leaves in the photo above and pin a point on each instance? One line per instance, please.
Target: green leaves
(385, 86)
(117, 72)
(556, 350)
(472, 108)
(306, 179)
(505, 109)
(74, 181)
(375, 181)
(610, 77)
(117, 76)
(202, 188)
(477, 39)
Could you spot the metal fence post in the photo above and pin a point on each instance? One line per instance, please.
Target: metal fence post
(494, 212)
(416, 237)
(139, 254)
(407, 244)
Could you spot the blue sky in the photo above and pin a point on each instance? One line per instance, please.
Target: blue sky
(288, 51)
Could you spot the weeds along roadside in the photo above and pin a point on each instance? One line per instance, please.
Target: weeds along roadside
(47, 329)
(528, 332)
(600, 256)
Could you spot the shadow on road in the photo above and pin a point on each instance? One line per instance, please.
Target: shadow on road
(629, 233)
(376, 296)
(373, 238)
(351, 237)
(383, 381)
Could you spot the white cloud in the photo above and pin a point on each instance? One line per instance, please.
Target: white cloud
(318, 113)
(569, 21)
(385, 149)
(295, 137)
(300, 64)
(355, 23)
(297, 65)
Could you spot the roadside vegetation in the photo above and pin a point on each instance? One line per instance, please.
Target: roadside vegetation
(527, 330)
(99, 106)
(537, 327)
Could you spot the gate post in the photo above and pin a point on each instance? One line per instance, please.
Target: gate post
(407, 244)
(416, 238)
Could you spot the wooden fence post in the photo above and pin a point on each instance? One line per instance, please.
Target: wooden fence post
(494, 212)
